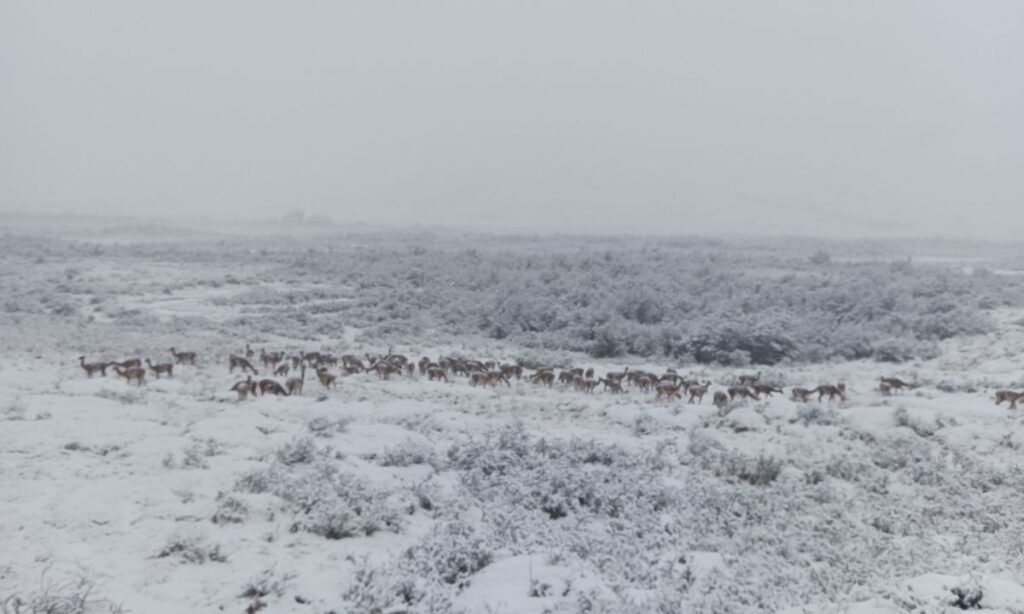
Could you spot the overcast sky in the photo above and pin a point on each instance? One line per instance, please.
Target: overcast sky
(867, 118)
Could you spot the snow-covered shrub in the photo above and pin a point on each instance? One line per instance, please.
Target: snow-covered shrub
(555, 478)
(721, 303)
(268, 582)
(326, 501)
(192, 549)
(322, 426)
(15, 410)
(72, 597)
(451, 553)
(644, 424)
(902, 417)
(809, 414)
(194, 457)
(407, 454)
(758, 471)
(230, 510)
(299, 450)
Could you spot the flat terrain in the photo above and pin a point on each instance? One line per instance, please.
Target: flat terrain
(415, 496)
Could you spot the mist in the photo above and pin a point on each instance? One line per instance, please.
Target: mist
(850, 120)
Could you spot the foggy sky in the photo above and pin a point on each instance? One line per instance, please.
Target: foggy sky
(870, 118)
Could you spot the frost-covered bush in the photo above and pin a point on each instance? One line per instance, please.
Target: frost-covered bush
(71, 597)
(322, 426)
(230, 510)
(194, 457)
(902, 417)
(15, 410)
(268, 582)
(557, 479)
(407, 454)
(759, 470)
(725, 301)
(617, 301)
(809, 414)
(326, 501)
(299, 450)
(451, 553)
(192, 549)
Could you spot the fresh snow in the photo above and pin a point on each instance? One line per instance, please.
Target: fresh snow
(508, 500)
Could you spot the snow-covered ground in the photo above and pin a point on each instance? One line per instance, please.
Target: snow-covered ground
(417, 496)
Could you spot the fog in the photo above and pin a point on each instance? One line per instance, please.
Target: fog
(799, 117)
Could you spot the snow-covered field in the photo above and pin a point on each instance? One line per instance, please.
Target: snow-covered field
(416, 496)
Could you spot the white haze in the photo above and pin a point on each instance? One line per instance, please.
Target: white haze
(800, 117)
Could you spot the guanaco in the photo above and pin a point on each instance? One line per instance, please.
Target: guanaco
(611, 385)
(436, 374)
(766, 390)
(720, 399)
(749, 380)
(894, 383)
(282, 370)
(1008, 395)
(495, 377)
(839, 390)
(183, 358)
(667, 391)
(269, 386)
(510, 371)
(617, 376)
(237, 362)
(670, 377)
(92, 368)
(134, 373)
(885, 388)
(742, 392)
(161, 369)
(270, 360)
(248, 351)
(802, 394)
(327, 380)
(131, 363)
(384, 369)
(644, 382)
(547, 378)
(296, 384)
(244, 388)
(697, 392)
(353, 364)
(587, 385)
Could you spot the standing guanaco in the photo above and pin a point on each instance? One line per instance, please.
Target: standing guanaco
(183, 358)
(134, 373)
(92, 368)
(161, 369)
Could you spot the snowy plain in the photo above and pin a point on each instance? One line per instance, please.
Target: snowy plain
(416, 496)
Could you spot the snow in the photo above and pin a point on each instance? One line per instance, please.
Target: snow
(515, 500)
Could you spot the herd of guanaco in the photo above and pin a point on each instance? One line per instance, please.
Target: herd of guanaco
(131, 369)
(667, 386)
